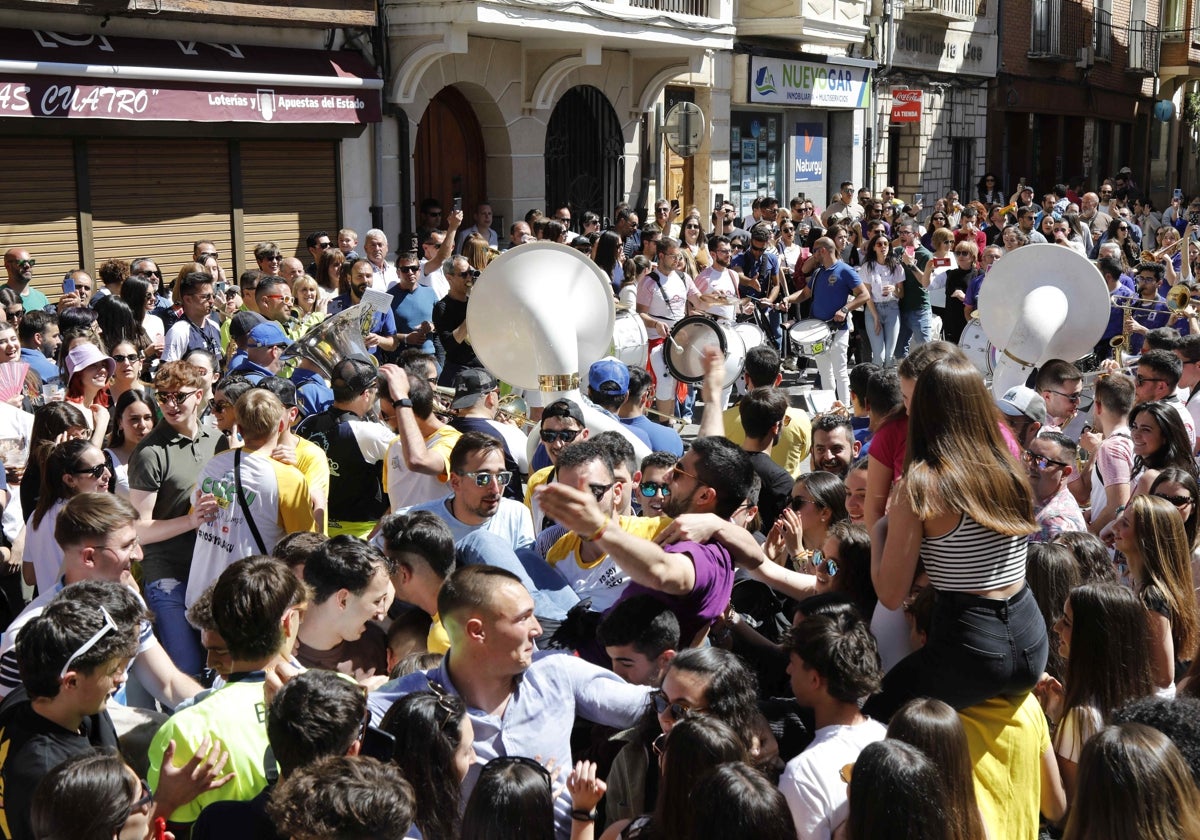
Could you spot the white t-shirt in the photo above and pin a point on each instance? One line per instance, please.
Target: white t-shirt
(42, 550)
(812, 782)
(713, 280)
(406, 487)
(435, 280)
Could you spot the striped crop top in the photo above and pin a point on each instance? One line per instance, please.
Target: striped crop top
(971, 558)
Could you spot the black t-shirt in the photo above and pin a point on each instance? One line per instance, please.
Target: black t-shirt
(448, 313)
(776, 488)
(237, 820)
(31, 746)
(480, 424)
(356, 484)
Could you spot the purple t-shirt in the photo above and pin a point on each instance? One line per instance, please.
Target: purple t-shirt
(709, 596)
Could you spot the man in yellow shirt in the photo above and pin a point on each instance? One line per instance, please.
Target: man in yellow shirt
(587, 465)
(421, 548)
(795, 434)
(562, 424)
(302, 454)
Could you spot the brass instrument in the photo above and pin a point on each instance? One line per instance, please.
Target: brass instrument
(1155, 256)
(442, 398)
(1120, 343)
(1181, 296)
(513, 409)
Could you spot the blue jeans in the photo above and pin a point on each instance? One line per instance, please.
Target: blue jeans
(917, 325)
(552, 595)
(883, 343)
(988, 647)
(181, 641)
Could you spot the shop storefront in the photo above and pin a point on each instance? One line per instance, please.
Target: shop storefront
(796, 127)
(130, 147)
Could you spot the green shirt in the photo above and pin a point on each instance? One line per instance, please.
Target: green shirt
(236, 718)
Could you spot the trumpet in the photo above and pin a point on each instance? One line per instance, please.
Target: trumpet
(1155, 256)
(442, 398)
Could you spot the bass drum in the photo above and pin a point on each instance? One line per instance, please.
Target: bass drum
(979, 350)
(683, 352)
(629, 339)
(751, 333)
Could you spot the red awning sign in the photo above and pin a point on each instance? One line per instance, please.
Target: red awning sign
(906, 105)
(51, 75)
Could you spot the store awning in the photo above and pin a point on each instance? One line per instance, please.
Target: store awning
(53, 75)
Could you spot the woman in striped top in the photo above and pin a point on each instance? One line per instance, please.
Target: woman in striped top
(963, 509)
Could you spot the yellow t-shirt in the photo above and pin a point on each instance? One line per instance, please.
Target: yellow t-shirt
(603, 581)
(536, 480)
(438, 641)
(1007, 739)
(792, 449)
(406, 487)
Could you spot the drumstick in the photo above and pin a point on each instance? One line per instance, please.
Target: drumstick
(674, 343)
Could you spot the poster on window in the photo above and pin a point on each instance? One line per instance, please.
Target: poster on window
(749, 178)
(735, 137)
(750, 150)
(809, 164)
(772, 134)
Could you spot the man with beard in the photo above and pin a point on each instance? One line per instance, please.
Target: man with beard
(693, 578)
(834, 447)
(450, 320)
(476, 501)
(717, 282)
(382, 334)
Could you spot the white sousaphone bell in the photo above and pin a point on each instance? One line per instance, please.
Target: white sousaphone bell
(1041, 302)
(538, 316)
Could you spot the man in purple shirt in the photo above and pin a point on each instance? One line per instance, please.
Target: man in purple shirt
(694, 579)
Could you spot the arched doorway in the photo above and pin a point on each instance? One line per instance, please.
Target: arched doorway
(585, 153)
(450, 158)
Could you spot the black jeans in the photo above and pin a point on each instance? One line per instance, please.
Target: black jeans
(978, 648)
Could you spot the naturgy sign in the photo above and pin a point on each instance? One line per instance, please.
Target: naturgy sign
(779, 81)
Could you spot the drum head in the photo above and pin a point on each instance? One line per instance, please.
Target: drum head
(684, 350)
(751, 334)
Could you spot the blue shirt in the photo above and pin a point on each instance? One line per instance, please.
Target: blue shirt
(831, 287)
(312, 394)
(43, 367)
(410, 309)
(539, 716)
(382, 323)
(655, 435)
(762, 268)
(254, 372)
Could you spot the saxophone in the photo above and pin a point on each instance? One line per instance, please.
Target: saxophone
(1120, 343)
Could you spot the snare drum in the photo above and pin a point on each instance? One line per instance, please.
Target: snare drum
(683, 352)
(975, 344)
(811, 337)
(751, 333)
(629, 339)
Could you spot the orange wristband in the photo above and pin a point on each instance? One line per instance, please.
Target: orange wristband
(599, 532)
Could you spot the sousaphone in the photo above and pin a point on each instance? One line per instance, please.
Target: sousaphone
(539, 315)
(1041, 302)
(334, 339)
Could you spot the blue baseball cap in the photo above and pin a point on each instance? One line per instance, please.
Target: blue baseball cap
(269, 334)
(609, 376)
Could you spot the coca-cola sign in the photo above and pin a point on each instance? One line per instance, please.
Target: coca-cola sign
(906, 105)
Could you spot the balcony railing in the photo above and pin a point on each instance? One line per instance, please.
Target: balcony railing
(1103, 40)
(1061, 30)
(698, 8)
(944, 9)
(1145, 44)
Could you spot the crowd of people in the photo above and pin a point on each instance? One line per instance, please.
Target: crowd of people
(250, 591)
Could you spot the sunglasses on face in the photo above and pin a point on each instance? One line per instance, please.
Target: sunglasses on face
(25, 263)
(408, 269)
(830, 563)
(1042, 462)
(797, 503)
(174, 398)
(94, 472)
(483, 479)
(131, 358)
(677, 709)
(598, 490)
(650, 489)
(323, 245)
(560, 436)
(1177, 501)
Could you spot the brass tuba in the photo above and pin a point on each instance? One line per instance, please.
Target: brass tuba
(334, 339)
(513, 409)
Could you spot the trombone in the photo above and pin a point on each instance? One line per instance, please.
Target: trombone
(1155, 256)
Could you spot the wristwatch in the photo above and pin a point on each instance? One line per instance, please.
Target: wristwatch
(404, 403)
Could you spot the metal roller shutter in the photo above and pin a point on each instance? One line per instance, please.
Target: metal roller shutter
(39, 211)
(155, 198)
(289, 189)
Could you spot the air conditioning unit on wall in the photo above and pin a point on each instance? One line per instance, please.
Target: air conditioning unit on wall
(1085, 58)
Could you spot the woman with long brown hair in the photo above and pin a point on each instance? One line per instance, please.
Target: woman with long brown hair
(965, 510)
(1151, 535)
